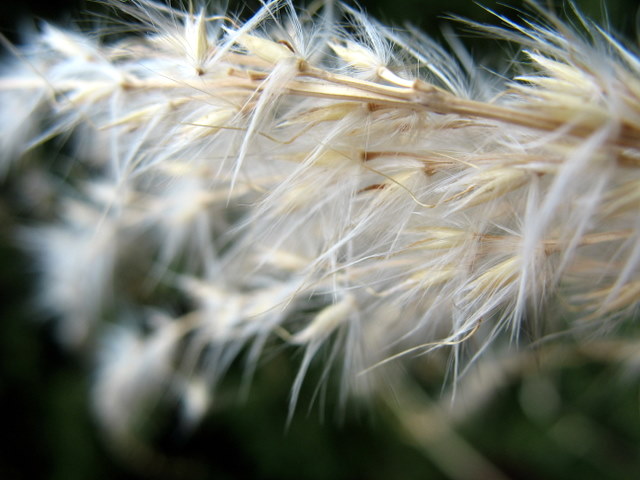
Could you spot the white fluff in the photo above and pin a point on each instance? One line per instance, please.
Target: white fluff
(295, 181)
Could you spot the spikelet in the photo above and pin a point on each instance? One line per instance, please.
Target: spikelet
(289, 179)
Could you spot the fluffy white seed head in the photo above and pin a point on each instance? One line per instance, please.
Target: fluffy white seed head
(292, 180)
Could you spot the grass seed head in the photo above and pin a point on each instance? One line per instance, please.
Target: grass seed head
(350, 185)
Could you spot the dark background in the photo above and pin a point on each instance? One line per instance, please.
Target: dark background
(429, 15)
(47, 430)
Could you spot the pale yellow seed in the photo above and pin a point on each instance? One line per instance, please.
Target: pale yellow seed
(430, 278)
(329, 113)
(422, 279)
(286, 261)
(442, 238)
(489, 185)
(326, 321)
(355, 55)
(267, 50)
(567, 74)
(142, 115)
(210, 123)
(328, 158)
(496, 277)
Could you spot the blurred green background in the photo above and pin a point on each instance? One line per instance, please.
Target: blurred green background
(571, 413)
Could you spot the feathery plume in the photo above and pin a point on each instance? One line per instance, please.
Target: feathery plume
(337, 186)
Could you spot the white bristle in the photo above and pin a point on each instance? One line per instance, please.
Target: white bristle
(292, 179)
